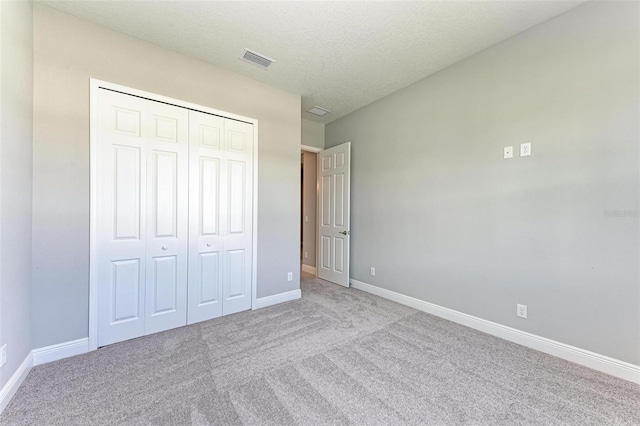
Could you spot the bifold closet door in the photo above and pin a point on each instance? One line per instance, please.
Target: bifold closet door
(238, 242)
(220, 216)
(142, 186)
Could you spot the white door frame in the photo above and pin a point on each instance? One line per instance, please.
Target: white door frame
(310, 148)
(306, 268)
(94, 88)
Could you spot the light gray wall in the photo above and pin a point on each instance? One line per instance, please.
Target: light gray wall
(16, 115)
(445, 219)
(68, 51)
(312, 134)
(309, 209)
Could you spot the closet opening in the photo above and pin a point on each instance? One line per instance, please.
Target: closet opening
(173, 222)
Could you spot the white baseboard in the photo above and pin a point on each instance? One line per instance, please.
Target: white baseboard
(59, 351)
(603, 363)
(287, 296)
(14, 383)
(309, 269)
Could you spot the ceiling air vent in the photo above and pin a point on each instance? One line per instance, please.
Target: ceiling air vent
(319, 111)
(256, 59)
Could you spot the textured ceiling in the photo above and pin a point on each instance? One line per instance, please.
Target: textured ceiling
(338, 55)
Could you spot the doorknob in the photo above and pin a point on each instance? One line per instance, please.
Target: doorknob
(164, 247)
(344, 232)
(208, 244)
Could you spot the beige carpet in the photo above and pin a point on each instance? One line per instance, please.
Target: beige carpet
(337, 356)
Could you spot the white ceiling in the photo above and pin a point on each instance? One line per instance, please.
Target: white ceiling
(338, 55)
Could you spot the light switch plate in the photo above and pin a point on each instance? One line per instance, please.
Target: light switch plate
(525, 149)
(508, 152)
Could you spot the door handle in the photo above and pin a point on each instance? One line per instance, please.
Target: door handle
(344, 232)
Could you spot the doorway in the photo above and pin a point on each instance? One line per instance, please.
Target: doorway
(308, 202)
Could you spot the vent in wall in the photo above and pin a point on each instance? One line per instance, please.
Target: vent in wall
(256, 59)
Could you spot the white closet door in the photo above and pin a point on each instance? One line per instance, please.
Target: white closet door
(174, 240)
(238, 249)
(167, 216)
(220, 218)
(121, 177)
(142, 218)
(207, 223)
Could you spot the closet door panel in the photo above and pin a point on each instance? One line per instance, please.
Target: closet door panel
(164, 277)
(125, 291)
(235, 274)
(207, 223)
(165, 206)
(237, 196)
(126, 192)
(121, 188)
(208, 276)
(238, 142)
(166, 131)
(209, 196)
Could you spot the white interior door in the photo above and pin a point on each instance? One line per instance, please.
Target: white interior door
(142, 217)
(334, 173)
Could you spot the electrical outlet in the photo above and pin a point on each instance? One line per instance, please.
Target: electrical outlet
(508, 152)
(3, 355)
(373, 271)
(521, 311)
(306, 254)
(306, 218)
(525, 149)
(290, 276)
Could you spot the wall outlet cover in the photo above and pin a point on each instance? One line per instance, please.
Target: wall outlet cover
(525, 149)
(521, 310)
(290, 276)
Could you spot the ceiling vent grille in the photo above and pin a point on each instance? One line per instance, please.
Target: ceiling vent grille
(319, 111)
(256, 59)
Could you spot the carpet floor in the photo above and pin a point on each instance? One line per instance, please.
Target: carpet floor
(337, 356)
